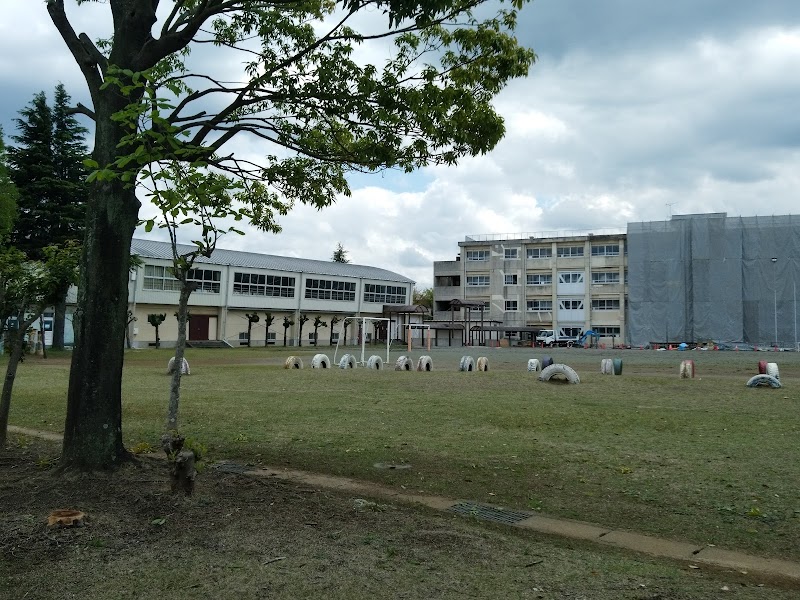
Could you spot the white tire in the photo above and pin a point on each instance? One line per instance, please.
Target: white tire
(772, 371)
(348, 361)
(293, 362)
(534, 365)
(467, 364)
(320, 361)
(561, 371)
(483, 363)
(375, 362)
(607, 366)
(424, 363)
(403, 364)
(687, 369)
(763, 380)
(184, 370)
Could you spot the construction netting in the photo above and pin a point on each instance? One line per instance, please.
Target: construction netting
(713, 278)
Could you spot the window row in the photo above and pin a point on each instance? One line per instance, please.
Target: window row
(547, 252)
(327, 289)
(565, 277)
(564, 304)
(384, 294)
(258, 284)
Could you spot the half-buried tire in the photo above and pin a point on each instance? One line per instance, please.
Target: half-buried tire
(424, 363)
(483, 363)
(467, 364)
(403, 364)
(348, 361)
(560, 372)
(763, 381)
(320, 361)
(375, 362)
(293, 362)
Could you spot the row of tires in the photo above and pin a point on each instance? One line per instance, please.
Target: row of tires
(348, 361)
(768, 376)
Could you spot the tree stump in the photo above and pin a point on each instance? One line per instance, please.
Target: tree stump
(183, 473)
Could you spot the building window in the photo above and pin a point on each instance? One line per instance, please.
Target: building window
(540, 305)
(510, 280)
(540, 253)
(258, 284)
(160, 278)
(567, 277)
(243, 336)
(605, 304)
(605, 277)
(271, 336)
(566, 332)
(334, 337)
(569, 251)
(511, 305)
(539, 279)
(327, 289)
(384, 294)
(569, 304)
(312, 336)
(207, 280)
(477, 280)
(606, 331)
(486, 305)
(473, 255)
(511, 253)
(606, 250)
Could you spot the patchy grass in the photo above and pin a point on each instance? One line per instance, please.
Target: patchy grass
(705, 460)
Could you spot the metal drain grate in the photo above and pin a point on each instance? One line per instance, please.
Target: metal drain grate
(489, 513)
(229, 467)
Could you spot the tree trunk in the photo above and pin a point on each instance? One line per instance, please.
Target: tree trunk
(180, 347)
(59, 321)
(11, 374)
(93, 426)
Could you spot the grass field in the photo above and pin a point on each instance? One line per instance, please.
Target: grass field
(705, 460)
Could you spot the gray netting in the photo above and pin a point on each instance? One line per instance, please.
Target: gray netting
(701, 278)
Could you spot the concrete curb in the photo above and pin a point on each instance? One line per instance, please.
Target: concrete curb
(756, 567)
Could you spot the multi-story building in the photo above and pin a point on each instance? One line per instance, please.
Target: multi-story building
(569, 282)
(231, 285)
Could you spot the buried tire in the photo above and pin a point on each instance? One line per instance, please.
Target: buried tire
(320, 361)
(617, 364)
(534, 365)
(547, 361)
(375, 362)
(607, 366)
(763, 381)
(561, 371)
(293, 362)
(348, 361)
(403, 364)
(687, 369)
(762, 367)
(772, 371)
(424, 363)
(184, 367)
(483, 363)
(467, 364)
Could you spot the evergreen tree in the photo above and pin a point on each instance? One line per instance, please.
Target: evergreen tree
(340, 254)
(8, 194)
(47, 168)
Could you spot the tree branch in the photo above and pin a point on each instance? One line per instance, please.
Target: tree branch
(83, 110)
(85, 60)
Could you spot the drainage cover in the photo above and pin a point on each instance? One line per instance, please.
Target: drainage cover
(489, 513)
(390, 466)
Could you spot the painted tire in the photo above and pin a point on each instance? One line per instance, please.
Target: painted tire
(687, 369)
(467, 364)
(772, 371)
(424, 363)
(617, 366)
(348, 361)
(320, 361)
(547, 361)
(403, 364)
(763, 380)
(534, 365)
(607, 366)
(184, 370)
(561, 370)
(375, 362)
(483, 363)
(293, 362)
(762, 367)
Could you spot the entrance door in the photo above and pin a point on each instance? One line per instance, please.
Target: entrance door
(198, 328)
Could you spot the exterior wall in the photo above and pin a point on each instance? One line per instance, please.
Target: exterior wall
(227, 307)
(527, 283)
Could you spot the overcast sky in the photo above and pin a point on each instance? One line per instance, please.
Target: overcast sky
(634, 110)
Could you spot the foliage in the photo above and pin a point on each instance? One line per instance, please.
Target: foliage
(318, 322)
(287, 323)
(47, 168)
(424, 298)
(156, 319)
(303, 319)
(8, 194)
(340, 254)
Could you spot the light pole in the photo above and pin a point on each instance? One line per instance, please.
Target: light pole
(774, 260)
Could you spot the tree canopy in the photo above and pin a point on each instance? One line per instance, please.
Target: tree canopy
(340, 254)
(164, 88)
(8, 194)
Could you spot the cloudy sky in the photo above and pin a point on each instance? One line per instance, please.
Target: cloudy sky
(634, 111)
